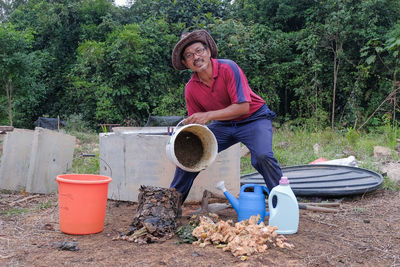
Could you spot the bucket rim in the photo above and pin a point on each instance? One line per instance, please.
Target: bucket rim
(104, 180)
(170, 147)
(191, 125)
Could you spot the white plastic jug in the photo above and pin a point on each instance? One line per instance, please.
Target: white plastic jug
(285, 214)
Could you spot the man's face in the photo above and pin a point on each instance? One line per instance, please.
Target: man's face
(196, 57)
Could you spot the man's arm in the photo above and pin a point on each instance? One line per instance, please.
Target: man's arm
(229, 113)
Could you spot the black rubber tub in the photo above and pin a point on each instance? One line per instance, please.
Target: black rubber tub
(325, 180)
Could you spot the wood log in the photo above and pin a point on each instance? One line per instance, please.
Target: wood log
(322, 204)
(315, 208)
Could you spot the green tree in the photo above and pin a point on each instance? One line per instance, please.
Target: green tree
(284, 15)
(56, 30)
(384, 54)
(112, 73)
(128, 76)
(15, 61)
(189, 13)
(98, 19)
(7, 6)
(310, 60)
(338, 30)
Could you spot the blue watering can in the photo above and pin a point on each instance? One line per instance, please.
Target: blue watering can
(251, 202)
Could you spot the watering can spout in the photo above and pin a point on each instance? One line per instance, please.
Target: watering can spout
(233, 200)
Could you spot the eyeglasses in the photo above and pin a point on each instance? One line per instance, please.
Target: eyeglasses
(198, 52)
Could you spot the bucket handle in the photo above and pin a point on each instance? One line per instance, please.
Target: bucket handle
(173, 129)
(84, 155)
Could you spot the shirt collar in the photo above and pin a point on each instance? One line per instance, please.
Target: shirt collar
(215, 67)
(214, 63)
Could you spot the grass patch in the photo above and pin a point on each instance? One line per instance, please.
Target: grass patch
(391, 185)
(86, 165)
(359, 210)
(46, 205)
(300, 146)
(85, 138)
(18, 210)
(13, 212)
(86, 143)
(245, 166)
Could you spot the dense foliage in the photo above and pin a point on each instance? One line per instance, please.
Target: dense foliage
(331, 63)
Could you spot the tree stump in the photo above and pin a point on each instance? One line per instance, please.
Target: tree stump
(156, 214)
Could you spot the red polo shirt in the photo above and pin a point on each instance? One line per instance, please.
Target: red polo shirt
(229, 86)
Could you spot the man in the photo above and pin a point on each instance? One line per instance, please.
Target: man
(219, 92)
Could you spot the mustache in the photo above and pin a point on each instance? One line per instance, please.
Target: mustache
(197, 61)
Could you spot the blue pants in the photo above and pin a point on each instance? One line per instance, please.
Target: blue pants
(254, 132)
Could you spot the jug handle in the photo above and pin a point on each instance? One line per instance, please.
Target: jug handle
(271, 209)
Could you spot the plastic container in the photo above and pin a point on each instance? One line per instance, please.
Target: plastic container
(192, 147)
(82, 203)
(285, 214)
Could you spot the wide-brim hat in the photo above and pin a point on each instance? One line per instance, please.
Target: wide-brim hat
(188, 38)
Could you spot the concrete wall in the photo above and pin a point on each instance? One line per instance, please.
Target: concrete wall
(132, 158)
(17, 148)
(31, 160)
(52, 154)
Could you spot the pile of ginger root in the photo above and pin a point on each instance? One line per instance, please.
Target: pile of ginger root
(243, 238)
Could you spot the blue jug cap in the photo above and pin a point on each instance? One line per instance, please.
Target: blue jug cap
(284, 181)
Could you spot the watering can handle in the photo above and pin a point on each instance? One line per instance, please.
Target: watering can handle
(266, 189)
(246, 186)
(253, 185)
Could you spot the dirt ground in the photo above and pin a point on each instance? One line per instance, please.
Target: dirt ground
(366, 232)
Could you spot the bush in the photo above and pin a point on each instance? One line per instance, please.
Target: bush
(75, 123)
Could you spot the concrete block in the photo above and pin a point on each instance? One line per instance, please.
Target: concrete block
(135, 157)
(15, 159)
(392, 170)
(51, 155)
(381, 152)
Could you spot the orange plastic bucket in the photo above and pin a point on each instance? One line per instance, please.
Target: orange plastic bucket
(82, 200)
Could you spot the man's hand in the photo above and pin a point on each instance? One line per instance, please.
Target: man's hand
(199, 118)
(229, 113)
